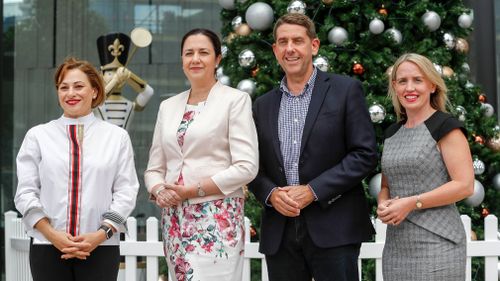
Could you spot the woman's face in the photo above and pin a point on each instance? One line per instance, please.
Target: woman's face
(198, 59)
(75, 94)
(412, 87)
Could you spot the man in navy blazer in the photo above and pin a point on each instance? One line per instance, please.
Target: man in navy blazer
(316, 143)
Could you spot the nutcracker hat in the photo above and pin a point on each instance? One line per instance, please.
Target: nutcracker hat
(113, 50)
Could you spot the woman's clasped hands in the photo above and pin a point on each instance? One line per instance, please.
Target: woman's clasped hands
(395, 210)
(169, 195)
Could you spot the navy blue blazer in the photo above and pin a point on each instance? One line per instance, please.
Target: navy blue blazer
(338, 150)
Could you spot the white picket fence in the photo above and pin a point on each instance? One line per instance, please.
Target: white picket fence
(17, 247)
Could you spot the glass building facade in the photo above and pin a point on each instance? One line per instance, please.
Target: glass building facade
(38, 34)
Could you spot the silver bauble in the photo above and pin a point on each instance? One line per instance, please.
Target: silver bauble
(432, 20)
(224, 79)
(477, 197)
(296, 7)
(259, 16)
(496, 181)
(461, 113)
(374, 185)
(246, 58)
(479, 167)
(236, 22)
(438, 68)
(465, 21)
(227, 4)
(376, 26)
(247, 85)
(223, 50)
(449, 41)
(377, 113)
(321, 63)
(337, 35)
(466, 67)
(395, 34)
(469, 85)
(219, 72)
(487, 109)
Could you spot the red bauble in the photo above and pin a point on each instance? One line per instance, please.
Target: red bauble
(485, 212)
(253, 232)
(482, 98)
(383, 11)
(358, 69)
(254, 71)
(479, 139)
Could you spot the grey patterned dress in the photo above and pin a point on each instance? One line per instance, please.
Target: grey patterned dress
(430, 243)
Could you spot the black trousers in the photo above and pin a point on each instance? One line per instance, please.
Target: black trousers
(299, 259)
(46, 264)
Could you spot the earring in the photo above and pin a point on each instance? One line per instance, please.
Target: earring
(94, 96)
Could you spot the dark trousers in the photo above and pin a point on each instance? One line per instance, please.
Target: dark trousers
(298, 259)
(46, 264)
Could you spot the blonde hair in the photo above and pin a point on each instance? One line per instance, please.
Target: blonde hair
(439, 98)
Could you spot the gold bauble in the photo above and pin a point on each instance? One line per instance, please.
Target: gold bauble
(447, 71)
(388, 71)
(462, 45)
(383, 11)
(243, 29)
(473, 235)
(494, 143)
(327, 2)
(230, 37)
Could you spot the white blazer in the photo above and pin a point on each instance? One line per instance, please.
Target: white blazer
(221, 143)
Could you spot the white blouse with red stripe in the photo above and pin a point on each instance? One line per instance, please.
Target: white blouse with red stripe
(78, 173)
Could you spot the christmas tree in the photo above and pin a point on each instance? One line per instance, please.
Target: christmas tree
(363, 39)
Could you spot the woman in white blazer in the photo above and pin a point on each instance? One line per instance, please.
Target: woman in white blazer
(204, 151)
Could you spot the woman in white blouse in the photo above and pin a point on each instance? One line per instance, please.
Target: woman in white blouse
(204, 151)
(77, 183)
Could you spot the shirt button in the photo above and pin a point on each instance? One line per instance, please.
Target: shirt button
(295, 120)
(294, 142)
(295, 164)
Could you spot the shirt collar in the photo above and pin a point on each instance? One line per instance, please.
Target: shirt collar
(310, 82)
(85, 120)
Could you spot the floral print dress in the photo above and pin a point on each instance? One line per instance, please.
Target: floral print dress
(204, 241)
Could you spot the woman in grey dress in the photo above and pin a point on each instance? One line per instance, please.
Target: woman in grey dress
(426, 168)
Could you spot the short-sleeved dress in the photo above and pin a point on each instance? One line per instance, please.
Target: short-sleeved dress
(429, 244)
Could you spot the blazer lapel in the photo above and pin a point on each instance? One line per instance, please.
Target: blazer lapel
(317, 98)
(274, 111)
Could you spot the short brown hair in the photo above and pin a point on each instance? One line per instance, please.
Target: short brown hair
(298, 19)
(86, 67)
(439, 99)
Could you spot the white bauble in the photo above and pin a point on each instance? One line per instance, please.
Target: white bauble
(479, 167)
(449, 41)
(432, 20)
(223, 50)
(461, 113)
(477, 196)
(395, 34)
(376, 26)
(374, 185)
(465, 21)
(487, 109)
(377, 113)
(219, 72)
(247, 85)
(246, 58)
(296, 7)
(321, 63)
(225, 80)
(259, 16)
(337, 35)
(227, 4)
(236, 22)
(496, 181)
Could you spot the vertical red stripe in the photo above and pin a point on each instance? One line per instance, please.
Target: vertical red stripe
(74, 181)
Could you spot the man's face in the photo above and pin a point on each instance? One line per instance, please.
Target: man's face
(294, 49)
